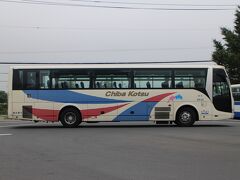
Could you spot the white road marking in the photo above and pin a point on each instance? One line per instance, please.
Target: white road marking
(6, 134)
(15, 125)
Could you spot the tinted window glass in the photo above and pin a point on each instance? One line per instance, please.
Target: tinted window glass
(31, 80)
(152, 79)
(112, 79)
(44, 79)
(221, 91)
(220, 88)
(236, 89)
(220, 84)
(236, 93)
(17, 79)
(190, 78)
(236, 96)
(70, 79)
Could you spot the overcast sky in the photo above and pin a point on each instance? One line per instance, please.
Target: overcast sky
(44, 33)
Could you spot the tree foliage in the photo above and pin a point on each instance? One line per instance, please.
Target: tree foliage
(3, 102)
(3, 97)
(227, 53)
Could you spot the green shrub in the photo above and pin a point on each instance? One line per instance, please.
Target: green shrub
(3, 103)
(3, 109)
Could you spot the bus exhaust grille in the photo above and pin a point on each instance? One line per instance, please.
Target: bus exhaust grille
(162, 109)
(27, 112)
(162, 112)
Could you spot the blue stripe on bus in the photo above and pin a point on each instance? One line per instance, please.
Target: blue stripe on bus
(66, 96)
(138, 112)
(237, 115)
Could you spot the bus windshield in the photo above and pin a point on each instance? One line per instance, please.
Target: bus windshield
(221, 91)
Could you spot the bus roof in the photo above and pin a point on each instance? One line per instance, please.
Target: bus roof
(118, 65)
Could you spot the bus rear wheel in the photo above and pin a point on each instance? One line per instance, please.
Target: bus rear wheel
(186, 117)
(70, 118)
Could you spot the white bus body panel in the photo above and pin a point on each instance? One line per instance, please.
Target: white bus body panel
(121, 111)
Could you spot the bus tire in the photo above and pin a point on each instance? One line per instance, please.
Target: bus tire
(70, 117)
(186, 117)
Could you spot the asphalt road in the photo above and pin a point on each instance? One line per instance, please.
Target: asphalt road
(121, 151)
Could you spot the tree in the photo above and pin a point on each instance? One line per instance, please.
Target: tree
(228, 52)
(3, 97)
(3, 102)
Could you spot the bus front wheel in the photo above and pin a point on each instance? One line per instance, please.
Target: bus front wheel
(70, 117)
(186, 117)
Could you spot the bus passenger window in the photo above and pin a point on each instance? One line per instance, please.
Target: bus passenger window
(190, 78)
(77, 86)
(179, 85)
(105, 85)
(62, 85)
(112, 79)
(44, 79)
(120, 86)
(98, 85)
(82, 85)
(65, 85)
(70, 79)
(18, 79)
(160, 78)
(148, 85)
(165, 84)
(31, 80)
(135, 85)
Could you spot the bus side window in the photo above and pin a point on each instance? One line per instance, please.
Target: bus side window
(165, 84)
(70, 79)
(45, 79)
(98, 85)
(31, 80)
(65, 85)
(149, 79)
(17, 79)
(77, 86)
(179, 85)
(236, 96)
(109, 79)
(82, 85)
(148, 85)
(120, 86)
(190, 78)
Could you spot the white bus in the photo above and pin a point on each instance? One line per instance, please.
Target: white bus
(162, 93)
(236, 96)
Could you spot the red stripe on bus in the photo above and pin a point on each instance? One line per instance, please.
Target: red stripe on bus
(52, 115)
(46, 114)
(158, 97)
(100, 111)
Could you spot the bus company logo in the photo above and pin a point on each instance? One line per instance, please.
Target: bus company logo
(123, 94)
(205, 112)
(176, 97)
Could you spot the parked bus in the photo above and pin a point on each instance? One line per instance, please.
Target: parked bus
(181, 93)
(236, 96)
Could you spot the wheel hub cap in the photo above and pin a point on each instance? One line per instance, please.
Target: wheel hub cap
(70, 118)
(185, 117)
